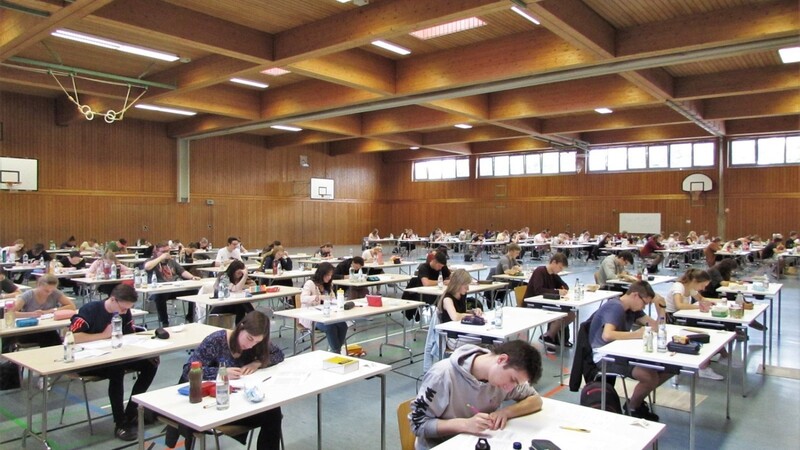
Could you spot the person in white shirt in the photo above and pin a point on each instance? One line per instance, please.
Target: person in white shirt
(374, 236)
(13, 252)
(371, 254)
(228, 253)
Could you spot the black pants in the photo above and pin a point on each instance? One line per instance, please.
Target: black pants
(161, 305)
(240, 310)
(146, 368)
(269, 438)
(44, 339)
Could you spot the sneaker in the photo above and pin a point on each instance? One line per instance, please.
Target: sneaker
(756, 325)
(642, 412)
(709, 374)
(735, 362)
(568, 344)
(128, 433)
(549, 344)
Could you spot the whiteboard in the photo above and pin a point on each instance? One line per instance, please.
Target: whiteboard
(19, 170)
(640, 222)
(322, 188)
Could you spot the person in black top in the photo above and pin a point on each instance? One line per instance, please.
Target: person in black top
(73, 261)
(427, 275)
(69, 243)
(167, 269)
(769, 252)
(7, 287)
(545, 280)
(280, 256)
(342, 271)
(92, 323)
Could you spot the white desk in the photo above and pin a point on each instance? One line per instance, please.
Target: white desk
(569, 304)
(314, 314)
(402, 266)
(515, 321)
(48, 361)
(773, 291)
(657, 279)
(286, 275)
(50, 324)
(704, 319)
(473, 289)
(606, 430)
(213, 271)
(238, 298)
(65, 273)
(169, 403)
(384, 278)
(630, 351)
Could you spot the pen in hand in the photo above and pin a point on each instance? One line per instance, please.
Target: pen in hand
(473, 409)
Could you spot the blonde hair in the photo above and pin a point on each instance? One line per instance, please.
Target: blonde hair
(458, 279)
(47, 280)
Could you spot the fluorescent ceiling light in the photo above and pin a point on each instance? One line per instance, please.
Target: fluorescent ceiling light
(250, 83)
(392, 47)
(790, 55)
(275, 72)
(524, 14)
(181, 112)
(414, 148)
(448, 28)
(463, 126)
(119, 46)
(603, 111)
(286, 128)
(342, 1)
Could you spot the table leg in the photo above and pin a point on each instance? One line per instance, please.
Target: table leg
(140, 423)
(383, 411)
(728, 382)
(744, 361)
(561, 365)
(603, 370)
(779, 314)
(313, 328)
(29, 407)
(771, 322)
(44, 410)
(319, 421)
(764, 350)
(691, 409)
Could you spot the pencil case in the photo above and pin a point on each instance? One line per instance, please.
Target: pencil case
(27, 322)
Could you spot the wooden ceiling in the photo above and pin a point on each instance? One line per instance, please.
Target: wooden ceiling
(668, 69)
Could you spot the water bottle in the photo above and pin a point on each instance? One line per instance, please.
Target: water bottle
(351, 253)
(9, 314)
(498, 314)
(339, 299)
(69, 347)
(482, 444)
(662, 335)
(275, 267)
(440, 281)
(647, 340)
(137, 279)
(225, 287)
(4, 255)
(113, 275)
(645, 273)
(52, 244)
(154, 280)
(144, 278)
(326, 307)
(25, 258)
(360, 275)
(352, 273)
(116, 331)
(576, 294)
(223, 388)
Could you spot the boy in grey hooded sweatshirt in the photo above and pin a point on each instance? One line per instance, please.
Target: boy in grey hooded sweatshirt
(463, 394)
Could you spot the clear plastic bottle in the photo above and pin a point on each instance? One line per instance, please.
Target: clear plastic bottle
(223, 388)
(224, 288)
(113, 273)
(440, 281)
(116, 331)
(662, 335)
(339, 300)
(25, 258)
(498, 314)
(647, 340)
(69, 347)
(10, 314)
(576, 291)
(137, 279)
(153, 280)
(326, 306)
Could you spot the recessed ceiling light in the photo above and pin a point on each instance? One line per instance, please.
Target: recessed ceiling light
(114, 45)
(342, 1)
(448, 28)
(414, 147)
(790, 55)
(392, 47)
(463, 126)
(181, 112)
(275, 72)
(286, 128)
(524, 14)
(603, 111)
(250, 83)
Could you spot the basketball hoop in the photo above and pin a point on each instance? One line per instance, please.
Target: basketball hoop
(11, 186)
(695, 196)
(695, 184)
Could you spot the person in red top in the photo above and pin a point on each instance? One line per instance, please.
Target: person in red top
(653, 244)
(545, 280)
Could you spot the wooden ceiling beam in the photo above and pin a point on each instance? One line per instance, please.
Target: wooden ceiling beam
(412, 155)
(738, 24)
(310, 96)
(507, 57)
(225, 100)
(753, 105)
(19, 31)
(361, 145)
(745, 81)
(509, 145)
(346, 125)
(188, 28)
(481, 133)
(646, 134)
(407, 118)
(475, 107)
(575, 96)
(631, 118)
(360, 26)
(304, 137)
(763, 125)
(200, 123)
(355, 68)
(577, 24)
(200, 74)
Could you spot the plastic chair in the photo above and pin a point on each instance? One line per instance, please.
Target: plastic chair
(303, 331)
(407, 436)
(519, 294)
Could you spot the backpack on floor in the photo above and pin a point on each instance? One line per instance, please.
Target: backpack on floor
(591, 396)
(9, 376)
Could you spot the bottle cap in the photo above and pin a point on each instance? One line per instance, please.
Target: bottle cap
(196, 365)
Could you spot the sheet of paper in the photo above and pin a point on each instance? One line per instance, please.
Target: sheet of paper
(89, 353)
(289, 378)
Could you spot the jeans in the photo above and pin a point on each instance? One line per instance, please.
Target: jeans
(147, 368)
(336, 333)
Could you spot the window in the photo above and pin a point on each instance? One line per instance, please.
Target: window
(527, 164)
(441, 169)
(658, 156)
(766, 151)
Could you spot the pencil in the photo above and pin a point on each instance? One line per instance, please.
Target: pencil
(265, 379)
(582, 430)
(209, 405)
(473, 409)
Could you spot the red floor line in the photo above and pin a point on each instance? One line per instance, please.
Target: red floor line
(555, 390)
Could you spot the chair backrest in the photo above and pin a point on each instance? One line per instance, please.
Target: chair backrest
(407, 437)
(297, 305)
(519, 293)
(597, 277)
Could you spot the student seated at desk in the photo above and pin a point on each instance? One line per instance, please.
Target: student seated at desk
(70, 243)
(7, 287)
(281, 257)
(464, 393)
(613, 267)
(166, 269)
(613, 321)
(373, 255)
(45, 298)
(93, 323)
(325, 251)
(650, 249)
(314, 289)
(13, 252)
(103, 266)
(120, 246)
(73, 261)
(242, 350)
(228, 253)
(710, 252)
(236, 277)
(90, 246)
(545, 280)
(342, 271)
(452, 304)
